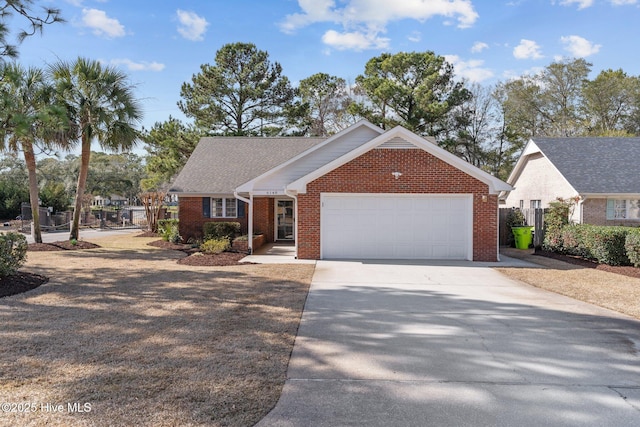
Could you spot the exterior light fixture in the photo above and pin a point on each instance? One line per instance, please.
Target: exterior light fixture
(396, 174)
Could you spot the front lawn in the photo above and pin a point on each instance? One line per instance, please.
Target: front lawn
(146, 341)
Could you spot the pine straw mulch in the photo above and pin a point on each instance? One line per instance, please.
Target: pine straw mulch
(20, 282)
(197, 258)
(63, 245)
(146, 341)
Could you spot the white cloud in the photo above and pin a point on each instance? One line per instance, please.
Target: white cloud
(479, 47)
(354, 41)
(579, 47)
(527, 49)
(582, 4)
(471, 70)
(138, 66)
(369, 18)
(192, 27)
(101, 24)
(415, 37)
(77, 3)
(623, 2)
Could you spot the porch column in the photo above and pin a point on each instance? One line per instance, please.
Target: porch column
(250, 237)
(249, 202)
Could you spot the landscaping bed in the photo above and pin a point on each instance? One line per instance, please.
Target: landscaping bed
(63, 245)
(20, 282)
(198, 258)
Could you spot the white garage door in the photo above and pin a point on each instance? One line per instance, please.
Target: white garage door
(392, 226)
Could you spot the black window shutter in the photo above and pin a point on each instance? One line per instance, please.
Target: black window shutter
(241, 209)
(206, 207)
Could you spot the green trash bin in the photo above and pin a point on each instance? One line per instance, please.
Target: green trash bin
(523, 236)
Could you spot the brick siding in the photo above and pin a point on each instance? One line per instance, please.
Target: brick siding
(192, 220)
(594, 211)
(421, 173)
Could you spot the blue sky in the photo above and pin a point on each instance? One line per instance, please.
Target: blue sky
(161, 43)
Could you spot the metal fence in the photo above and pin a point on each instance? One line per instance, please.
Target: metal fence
(133, 217)
(533, 218)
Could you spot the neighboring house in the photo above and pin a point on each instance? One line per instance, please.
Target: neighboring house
(363, 193)
(600, 173)
(113, 200)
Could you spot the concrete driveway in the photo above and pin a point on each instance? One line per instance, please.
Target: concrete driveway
(455, 344)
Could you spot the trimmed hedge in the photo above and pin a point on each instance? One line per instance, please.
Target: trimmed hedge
(13, 252)
(215, 246)
(604, 244)
(220, 230)
(632, 246)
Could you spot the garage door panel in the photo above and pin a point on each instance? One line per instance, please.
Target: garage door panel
(389, 226)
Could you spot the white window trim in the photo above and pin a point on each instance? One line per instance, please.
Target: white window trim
(212, 207)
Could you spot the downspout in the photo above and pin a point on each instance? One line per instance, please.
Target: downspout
(294, 196)
(581, 209)
(249, 203)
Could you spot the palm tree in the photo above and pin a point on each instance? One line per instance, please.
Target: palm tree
(28, 117)
(100, 104)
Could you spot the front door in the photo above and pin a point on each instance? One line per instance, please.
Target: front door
(284, 220)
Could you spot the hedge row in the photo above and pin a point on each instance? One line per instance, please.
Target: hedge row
(604, 244)
(220, 230)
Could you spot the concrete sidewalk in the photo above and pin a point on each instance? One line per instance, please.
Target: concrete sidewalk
(454, 344)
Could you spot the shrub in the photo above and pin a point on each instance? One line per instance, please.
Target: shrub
(215, 246)
(606, 244)
(219, 230)
(169, 230)
(632, 246)
(603, 244)
(13, 253)
(515, 218)
(556, 218)
(572, 237)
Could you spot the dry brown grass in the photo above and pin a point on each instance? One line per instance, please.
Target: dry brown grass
(146, 341)
(605, 289)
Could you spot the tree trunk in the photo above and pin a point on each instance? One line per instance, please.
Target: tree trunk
(82, 182)
(30, 160)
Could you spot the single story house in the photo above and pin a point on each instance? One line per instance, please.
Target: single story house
(599, 173)
(113, 200)
(363, 193)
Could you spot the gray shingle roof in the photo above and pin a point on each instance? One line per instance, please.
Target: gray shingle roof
(596, 165)
(220, 164)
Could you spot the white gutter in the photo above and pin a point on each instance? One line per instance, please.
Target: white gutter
(249, 203)
(294, 196)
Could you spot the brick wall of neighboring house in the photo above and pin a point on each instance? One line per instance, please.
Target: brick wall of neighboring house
(421, 173)
(594, 211)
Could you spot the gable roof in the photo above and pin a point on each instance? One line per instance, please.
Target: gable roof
(313, 158)
(224, 165)
(220, 164)
(596, 165)
(402, 137)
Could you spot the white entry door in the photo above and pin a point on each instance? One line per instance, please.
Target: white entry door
(396, 226)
